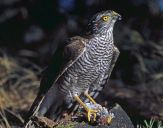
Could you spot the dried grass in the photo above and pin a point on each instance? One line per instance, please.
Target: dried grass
(19, 81)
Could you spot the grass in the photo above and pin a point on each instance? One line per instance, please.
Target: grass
(151, 124)
(19, 82)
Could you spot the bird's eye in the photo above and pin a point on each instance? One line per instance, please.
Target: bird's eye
(105, 18)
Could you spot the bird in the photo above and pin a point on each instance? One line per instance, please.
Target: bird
(79, 71)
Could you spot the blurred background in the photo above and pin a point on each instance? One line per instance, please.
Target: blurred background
(32, 30)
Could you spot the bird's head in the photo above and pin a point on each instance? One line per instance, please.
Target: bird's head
(103, 21)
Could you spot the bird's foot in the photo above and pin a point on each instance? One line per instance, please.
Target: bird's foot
(89, 97)
(104, 116)
(90, 113)
(110, 117)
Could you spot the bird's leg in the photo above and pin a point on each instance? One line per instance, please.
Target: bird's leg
(89, 97)
(109, 118)
(89, 111)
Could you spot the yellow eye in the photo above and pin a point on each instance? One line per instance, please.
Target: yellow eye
(105, 18)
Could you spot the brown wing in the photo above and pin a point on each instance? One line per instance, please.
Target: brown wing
(72, 51)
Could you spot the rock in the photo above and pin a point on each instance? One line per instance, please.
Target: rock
(121, 120)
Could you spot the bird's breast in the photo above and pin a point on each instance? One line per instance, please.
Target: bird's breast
(84, 71)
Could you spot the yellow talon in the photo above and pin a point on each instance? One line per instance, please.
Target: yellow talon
(94, 119)
(90, 111)
(89, 116)
(109, 120)
(89, 97)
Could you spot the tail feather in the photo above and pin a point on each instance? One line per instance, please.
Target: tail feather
(34, 107)
(51, 105)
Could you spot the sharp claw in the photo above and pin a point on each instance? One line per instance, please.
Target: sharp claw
(91, 111)
(109, 120)
(89, 116)
(94, 119)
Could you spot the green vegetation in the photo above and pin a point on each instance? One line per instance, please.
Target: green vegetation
(152, 124)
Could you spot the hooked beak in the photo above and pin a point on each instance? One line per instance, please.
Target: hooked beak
(119, 17)
(116, 15)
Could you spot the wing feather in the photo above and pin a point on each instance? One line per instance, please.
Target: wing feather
(72, 51)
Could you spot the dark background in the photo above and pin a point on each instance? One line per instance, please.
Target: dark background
(33, 30)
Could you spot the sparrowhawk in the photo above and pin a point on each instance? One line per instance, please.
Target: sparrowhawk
(87, 64)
